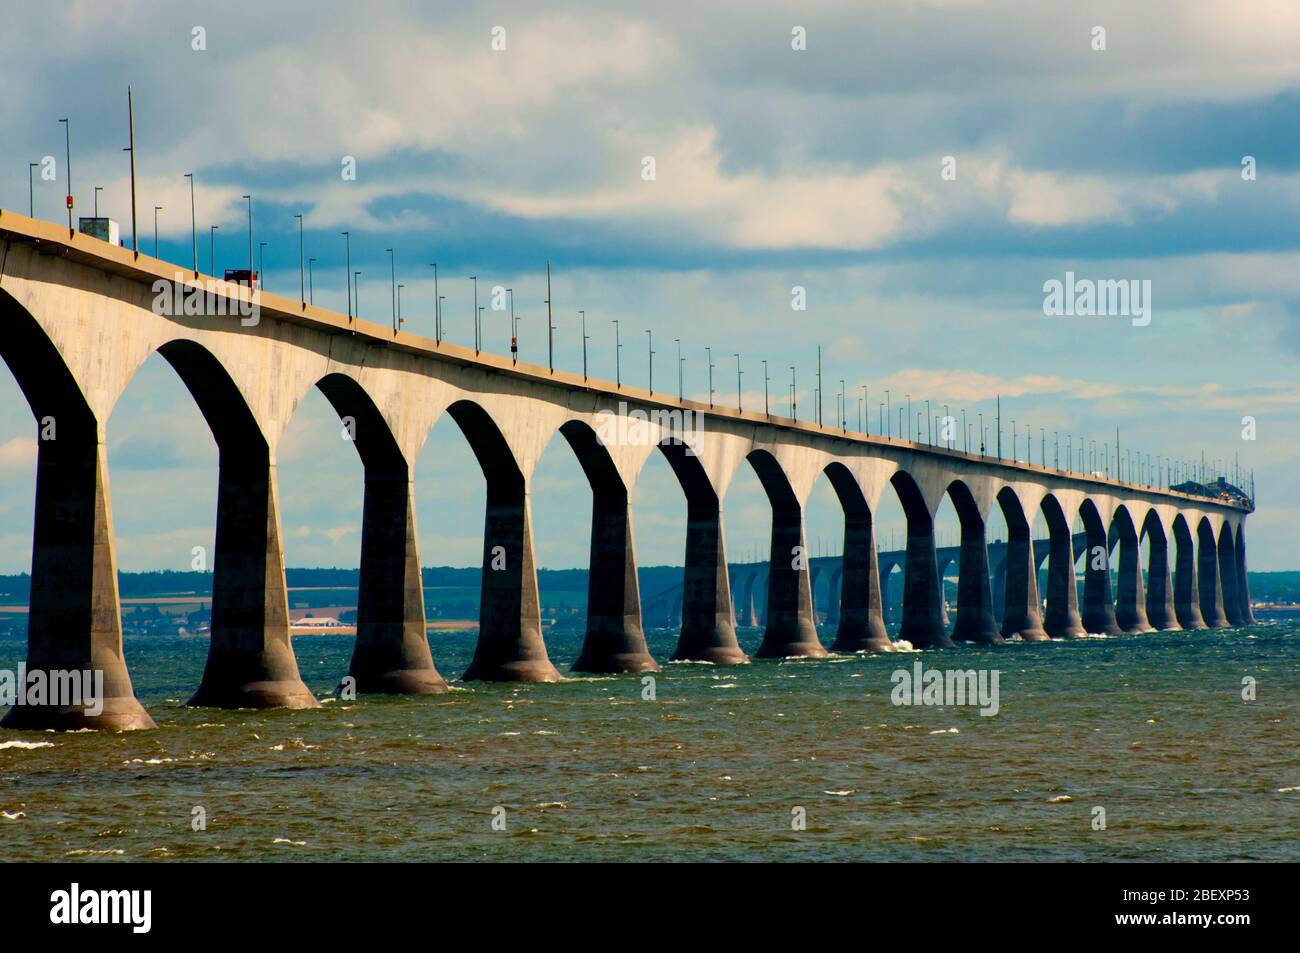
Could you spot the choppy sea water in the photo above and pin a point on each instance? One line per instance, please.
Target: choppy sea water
(1152, 728)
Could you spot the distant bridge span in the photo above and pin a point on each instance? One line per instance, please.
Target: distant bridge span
(80, 317)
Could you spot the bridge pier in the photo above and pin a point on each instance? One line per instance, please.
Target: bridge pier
(975, 621)
(1098, 602)
(1243, 581)
(1130, 607)
(922, 623)
(1160, 591)
(708, 632)
(1062, 620)
(391, 654)
(1207, 577)
(250, 657)
(1187, 600)
(1022, 615)
(74, 620)
(1228, 577)
(615, 640)
(510, 647)
(861, 621)
(791, 631)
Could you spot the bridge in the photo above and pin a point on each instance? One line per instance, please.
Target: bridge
(80, 316)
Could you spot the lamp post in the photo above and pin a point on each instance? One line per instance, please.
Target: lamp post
(347, 275)
(302, 276)
(437, 306)
(794, 403)
(514, 328)
(766, 411)
(678, 342)
(866, 406)
(156, 210)
(650, 356)
(392, 277)
(67, 168)
(212, 249)
(739, 374)
(583, 315)
(31, 190)
(357, 291)
(194, 228)
(889, 416)
(250, 235)
(311, 283)
(708, 354)
(474, 278)
(400, 319)
(618, 347)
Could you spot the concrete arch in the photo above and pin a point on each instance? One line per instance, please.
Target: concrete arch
(1187, 594)
(1062, 619)
(1130, 603)
(708, 632)
(74, 617)
(975, 621)
(922, 623)
(791, 630)
(615, 639)
(1098, 612)
(1160, 609)
(510, 646)
(861, 618)
(1022, 609)
(391, 653)
(250, 660)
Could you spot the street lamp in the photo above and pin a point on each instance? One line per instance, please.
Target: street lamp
(357, 291)
(678, 342)
(31, 192)
(794, 405)
(739, 374)
(583, 314)
(311, 283)
(392, 274)
(474, 278)
(766, 412)
(156, 210)
(194, 228)
(302, 277)
(250, 237)
(347, 274)
(708, 355)
(650, 355)
(400, 319)
(67, 168)
(618, 346)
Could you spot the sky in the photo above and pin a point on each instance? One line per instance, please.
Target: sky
(919, 169)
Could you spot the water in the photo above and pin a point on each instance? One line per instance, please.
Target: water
(1152, 728)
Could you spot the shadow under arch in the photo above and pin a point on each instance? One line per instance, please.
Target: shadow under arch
(391, 654)
(250, 660)
(615, 637)
(1022, 613)
(791, 631)
(1187, 596)
(1210, 588)
(1062, 619)
(922, 623)
(510, 647)
(74, 620)
(1098, 603)
(708, 632)
(1130, 601)
(861, 612)
(1160, 589)
(975, 621)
